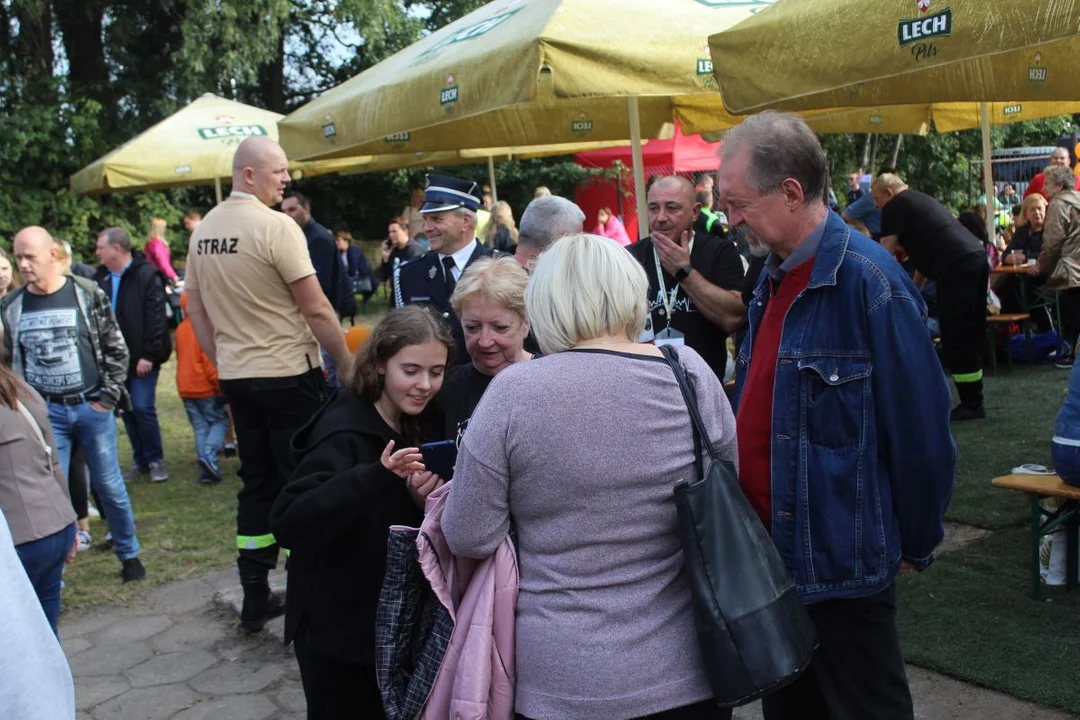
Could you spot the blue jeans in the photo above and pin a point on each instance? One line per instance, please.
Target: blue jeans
(96, 433)
(43, 560)
(209, 421)
(141, 422)
(1066, 462)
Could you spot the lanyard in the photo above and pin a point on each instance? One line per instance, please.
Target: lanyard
(668, 299)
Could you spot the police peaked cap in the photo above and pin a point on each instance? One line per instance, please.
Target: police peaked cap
(447, 193)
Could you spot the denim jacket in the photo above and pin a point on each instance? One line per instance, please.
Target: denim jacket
(863, 460)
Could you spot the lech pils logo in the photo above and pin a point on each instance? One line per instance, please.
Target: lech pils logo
(876, 119)
(582, 124)
(329, 129)
(227, 127)
(1037, 73)
(397, 138)
(449, 94)
(1014, 109)
(926, 27)
(704, 65)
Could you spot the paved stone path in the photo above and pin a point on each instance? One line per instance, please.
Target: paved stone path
(179, 655)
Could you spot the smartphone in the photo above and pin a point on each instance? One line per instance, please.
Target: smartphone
(439, 458)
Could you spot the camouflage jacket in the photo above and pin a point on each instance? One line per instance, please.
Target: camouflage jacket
(110, 351)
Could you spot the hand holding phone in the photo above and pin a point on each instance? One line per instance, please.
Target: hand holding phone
(439, 458)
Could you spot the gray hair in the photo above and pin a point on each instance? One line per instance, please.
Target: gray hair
(546, 219)
(781, 146)
(1061, 176)
(117, 237)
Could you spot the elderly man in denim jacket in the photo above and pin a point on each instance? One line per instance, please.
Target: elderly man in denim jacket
(843, 419)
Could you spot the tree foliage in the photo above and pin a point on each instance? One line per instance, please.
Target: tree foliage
(80, 77)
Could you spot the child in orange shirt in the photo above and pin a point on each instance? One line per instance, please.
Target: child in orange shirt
(197, 384)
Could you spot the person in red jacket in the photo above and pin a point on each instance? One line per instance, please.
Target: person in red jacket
(197, 384)
(1060, 156)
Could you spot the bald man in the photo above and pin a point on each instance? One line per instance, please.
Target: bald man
(260, 314)
(695, 280)
(63, 340)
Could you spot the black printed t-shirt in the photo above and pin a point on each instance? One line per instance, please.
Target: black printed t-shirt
(58, 358)
(720, 263)
(461, 391)
(928, 232)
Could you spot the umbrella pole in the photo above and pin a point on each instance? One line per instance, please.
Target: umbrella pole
(217, 189)
(491, 179)
(639, 166)
(988, 171)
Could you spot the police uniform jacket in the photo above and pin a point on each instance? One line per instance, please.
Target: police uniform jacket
(421, 281)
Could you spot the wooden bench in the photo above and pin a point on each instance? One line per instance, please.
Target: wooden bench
(1006, 319)
(1044, 522)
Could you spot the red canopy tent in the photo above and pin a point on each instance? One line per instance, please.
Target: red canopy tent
(678, 155)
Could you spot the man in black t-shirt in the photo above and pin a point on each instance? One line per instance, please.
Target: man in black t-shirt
(694, 279)
(942, 250)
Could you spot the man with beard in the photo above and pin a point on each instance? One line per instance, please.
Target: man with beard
(694, 279)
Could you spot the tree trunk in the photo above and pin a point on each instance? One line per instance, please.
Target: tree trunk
(873, 156)
(896, 151)
(80, 23)
(272, 79)
(33, 47)
(865, 164)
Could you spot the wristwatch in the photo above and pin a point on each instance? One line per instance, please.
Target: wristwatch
(682, 273)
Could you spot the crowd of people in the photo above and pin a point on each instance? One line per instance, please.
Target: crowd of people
(538, 356)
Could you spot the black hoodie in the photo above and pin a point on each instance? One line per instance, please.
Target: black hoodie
(334, 516)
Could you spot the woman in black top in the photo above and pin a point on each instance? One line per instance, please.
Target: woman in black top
(358, 472)
(490, 300)
(1027, 240)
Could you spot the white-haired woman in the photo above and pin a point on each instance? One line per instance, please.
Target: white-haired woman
(582, 448)
(490, 301)
(1060, 253)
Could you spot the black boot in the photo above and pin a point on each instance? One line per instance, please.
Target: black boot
(260, 605)
(971, 402)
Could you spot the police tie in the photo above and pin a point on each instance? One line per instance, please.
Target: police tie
(448, 276)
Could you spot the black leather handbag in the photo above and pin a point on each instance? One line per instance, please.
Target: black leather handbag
(754, 633)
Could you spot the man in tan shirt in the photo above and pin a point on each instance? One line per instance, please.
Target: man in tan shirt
(260, 315)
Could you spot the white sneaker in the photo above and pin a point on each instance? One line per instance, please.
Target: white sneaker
(84, 540)
(93, 512)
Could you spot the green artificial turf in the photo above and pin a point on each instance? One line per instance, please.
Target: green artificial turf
(1021, 407)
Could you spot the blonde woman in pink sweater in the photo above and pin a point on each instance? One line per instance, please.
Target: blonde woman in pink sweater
(610, 226)
(157, 250)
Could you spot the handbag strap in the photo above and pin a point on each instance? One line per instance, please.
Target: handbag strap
(701, 435)
(37, 429)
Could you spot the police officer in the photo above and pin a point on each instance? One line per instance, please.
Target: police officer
(449, 213)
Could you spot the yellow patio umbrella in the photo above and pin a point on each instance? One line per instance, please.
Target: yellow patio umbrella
(193, 146)
(525, 72)
(1013, 52)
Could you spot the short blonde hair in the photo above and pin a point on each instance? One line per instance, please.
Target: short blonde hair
(1029, 201)
(157, 227)
(541, 191)
(500, 280)
(888, 181)
(584, 287)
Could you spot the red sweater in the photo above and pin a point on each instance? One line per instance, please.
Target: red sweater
(753, 425)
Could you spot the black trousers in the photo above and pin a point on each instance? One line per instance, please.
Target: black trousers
(1070, 315)
(962, 313)
(335, 689)
(78, 486)
(706, 710)
(267, 412)
(856, 673)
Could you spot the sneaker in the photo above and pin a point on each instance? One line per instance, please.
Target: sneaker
(93, 512)
(132, 570)
(229, 450)
(965, 412)
(209, 466)
(1064, 363)
(84, 540)
(158, 473)
(134, 472)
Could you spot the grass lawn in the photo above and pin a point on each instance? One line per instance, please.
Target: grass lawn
(971, 614)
